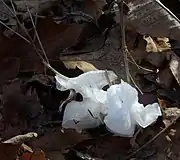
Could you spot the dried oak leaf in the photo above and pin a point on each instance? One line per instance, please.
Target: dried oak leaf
(151, 17)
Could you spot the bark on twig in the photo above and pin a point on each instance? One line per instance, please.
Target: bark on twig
(123, 40)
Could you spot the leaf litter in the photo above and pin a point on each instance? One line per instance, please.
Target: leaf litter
(78, 37)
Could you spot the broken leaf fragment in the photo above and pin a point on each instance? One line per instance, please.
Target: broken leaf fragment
(175, 67)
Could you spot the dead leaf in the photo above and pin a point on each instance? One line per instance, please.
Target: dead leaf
(82, 65)
(9, 151)
(150, 17)
(157, 44)
(163, 44)
(36, 155)
(175, 67)
(165, 78)
(136, 45)
(55, 155)
(156, 59)
(18, 107)
(94, 8)
(57, 140)
(10, 66)
(151, 45)
(163, 103)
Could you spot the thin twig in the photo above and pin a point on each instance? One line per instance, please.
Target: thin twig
(36, 17)
(133, 59)
(40, 43)
(124, 47)
(154, 138)
(140, 67)
(13, 6)
(14, 14)
(56, 72)
(15, 32)
(135, 84)
(22, 27)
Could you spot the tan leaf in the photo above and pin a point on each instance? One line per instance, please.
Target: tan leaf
(151, 17)
(82, 65)
(151, 45)
(157, 45)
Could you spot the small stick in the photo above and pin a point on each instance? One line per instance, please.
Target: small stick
(140, 67)
(37, 36)
(36, 17)
(135, 84)
(21, 138)
(124, 47)
(56, 72)
(154, 138)
(15, 32)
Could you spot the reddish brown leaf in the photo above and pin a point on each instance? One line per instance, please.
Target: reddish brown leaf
(8, 151)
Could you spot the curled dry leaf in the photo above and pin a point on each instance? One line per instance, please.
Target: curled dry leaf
(157, 44)
(151, 17)
(151, 45)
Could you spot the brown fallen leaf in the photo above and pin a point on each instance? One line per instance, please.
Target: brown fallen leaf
(56, 140)
(94, 8)
(36, 155)
(151, 17)
(9, 151)
(55, 155)
(165, 78)
(82, 65)
(10, 66)
(17, 107)
(156, 59)
(175, 67)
